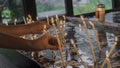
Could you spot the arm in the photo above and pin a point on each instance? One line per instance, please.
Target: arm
(12, 42)
(33, 28)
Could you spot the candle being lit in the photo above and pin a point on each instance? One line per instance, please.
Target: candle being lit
(60, 47)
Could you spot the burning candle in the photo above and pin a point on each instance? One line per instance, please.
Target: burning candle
(89, 40)
(96, 35)
(57, 19)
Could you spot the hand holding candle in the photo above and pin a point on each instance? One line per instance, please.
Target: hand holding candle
(58, 40)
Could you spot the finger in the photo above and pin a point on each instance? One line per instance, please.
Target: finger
(53, 47)
(54, 41)
(48, 26)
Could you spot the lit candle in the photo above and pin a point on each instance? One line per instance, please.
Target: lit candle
(57, 19)
(64, 19)
(111, 50)
(73, 44)
(89, 40)
(60, 47)
(96, 35)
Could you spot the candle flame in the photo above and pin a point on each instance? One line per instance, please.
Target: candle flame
(37, 18)
(116, 38)
(72, 41)
(107, 53)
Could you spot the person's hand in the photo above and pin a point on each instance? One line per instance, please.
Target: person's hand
(38, 27)
(46, 42)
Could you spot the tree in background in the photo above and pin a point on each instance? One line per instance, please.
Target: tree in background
(11, 9)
